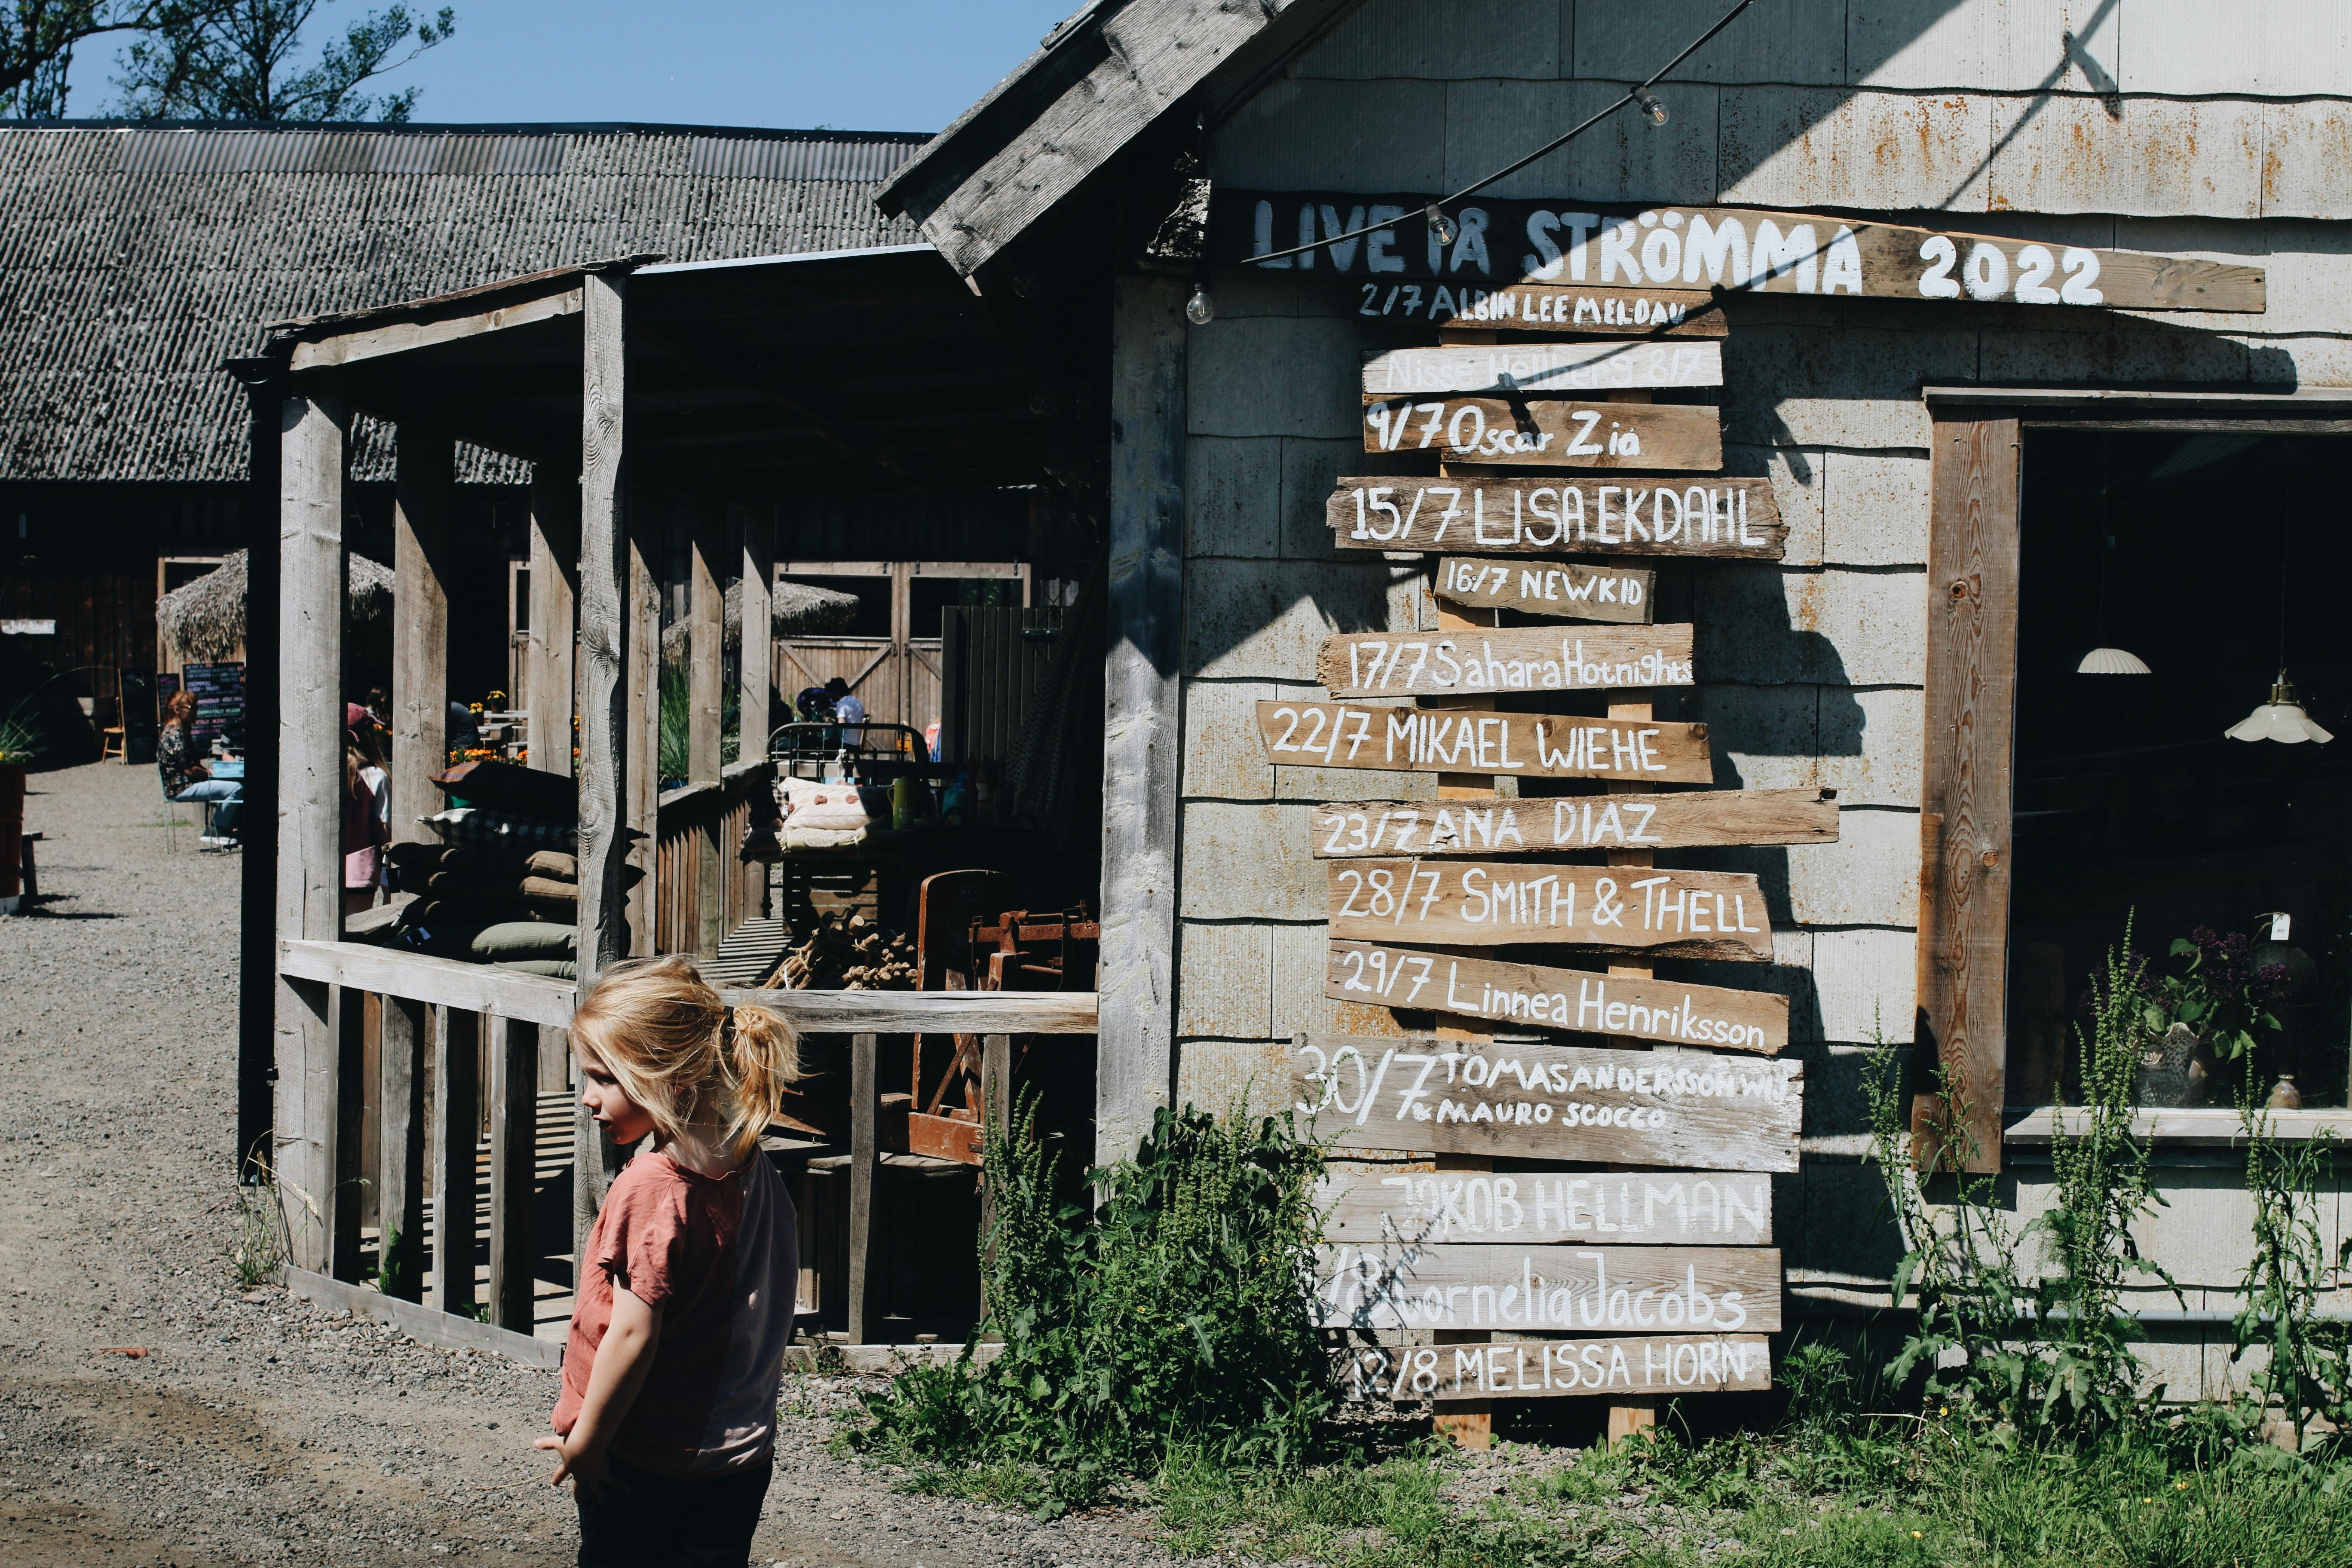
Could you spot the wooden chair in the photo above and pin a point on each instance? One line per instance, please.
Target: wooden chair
(112, 746)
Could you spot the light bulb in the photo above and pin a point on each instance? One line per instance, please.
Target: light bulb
(1199, 309)
(1651, 106)
(1441, 225)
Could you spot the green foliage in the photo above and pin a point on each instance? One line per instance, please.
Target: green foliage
(2049, 1358)
(2218, 993)
(2307, 1370)
(37, 38)
(677, 703)
(2104, 1189)
(1176, 1318)
(235, 60)
(400, 1268)
(20, 743)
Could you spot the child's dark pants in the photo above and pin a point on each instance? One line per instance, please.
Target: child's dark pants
(666, 1521)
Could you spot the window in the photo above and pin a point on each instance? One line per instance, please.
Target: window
(2202, 555)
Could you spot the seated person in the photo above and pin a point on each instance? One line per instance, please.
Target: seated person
(188, 777)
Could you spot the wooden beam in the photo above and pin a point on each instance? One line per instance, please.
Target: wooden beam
(401, 1175)
(403, 337)
(706, 675)
(757, 660)
(423, 1324)
(555, 615)
(1135, 1059)
(864, 1155)
(514, 1134)
(309, 805)
(642, 690)
(457, 1109)
(606, 616)
(927, 1012)
(346, 1197)
(474, 987)
(420, 626)
(1972, 581)
(595, 1160)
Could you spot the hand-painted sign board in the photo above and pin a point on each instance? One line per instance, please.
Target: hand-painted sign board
(1551, 433)
(1682, 915)
(1620, 1006)
(1565, 590)
(1545, 308)
(1525, 658)
(1734, 519)
(1536, 1290)
(1566, 242)
(1694, 1110)
(1437, 739)
(1619, 1208)
(1492, 825)
(1540, 369)
(1643, 1367)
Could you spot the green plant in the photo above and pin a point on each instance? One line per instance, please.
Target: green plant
(676, 703)
(262, 1242)
(2307, 1371)
(400, 1268)
(2218, 993)
(2104, 1188)
(1175, 1317)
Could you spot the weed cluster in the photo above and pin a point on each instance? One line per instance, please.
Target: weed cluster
(1174, 1317)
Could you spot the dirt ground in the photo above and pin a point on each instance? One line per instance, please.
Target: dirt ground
(258, 1428)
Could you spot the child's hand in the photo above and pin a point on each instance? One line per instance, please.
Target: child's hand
(585, 1466)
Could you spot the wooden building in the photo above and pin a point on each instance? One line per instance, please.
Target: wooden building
(1185, 227)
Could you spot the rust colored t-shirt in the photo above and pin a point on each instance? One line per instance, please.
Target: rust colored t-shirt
(720, 1256)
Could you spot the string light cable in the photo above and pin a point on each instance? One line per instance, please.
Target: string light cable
(1639, 95)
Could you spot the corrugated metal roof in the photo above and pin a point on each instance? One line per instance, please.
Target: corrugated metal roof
(135, 258)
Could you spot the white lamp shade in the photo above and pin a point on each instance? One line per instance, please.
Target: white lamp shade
(2282, 722)
(2111, 661)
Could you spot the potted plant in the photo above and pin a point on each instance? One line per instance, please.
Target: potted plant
(2213, 1006)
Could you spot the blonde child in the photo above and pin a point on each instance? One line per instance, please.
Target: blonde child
(666, 1423)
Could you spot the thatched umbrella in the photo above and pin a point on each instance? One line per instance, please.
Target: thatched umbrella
(204, 623)
(795, 609)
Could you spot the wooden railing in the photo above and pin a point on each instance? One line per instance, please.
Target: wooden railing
(432, 1094)
(702, 887)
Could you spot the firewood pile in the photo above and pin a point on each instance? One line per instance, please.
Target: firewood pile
(848, 952)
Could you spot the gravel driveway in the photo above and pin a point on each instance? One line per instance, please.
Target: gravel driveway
(256, 1427)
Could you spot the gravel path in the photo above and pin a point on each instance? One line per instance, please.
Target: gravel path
(256, 1427)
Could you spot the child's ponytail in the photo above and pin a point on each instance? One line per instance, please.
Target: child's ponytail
(762, 1059)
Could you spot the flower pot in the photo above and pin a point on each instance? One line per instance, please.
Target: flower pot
(12, 831)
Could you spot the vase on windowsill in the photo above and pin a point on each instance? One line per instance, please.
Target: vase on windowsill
(2174, 1070)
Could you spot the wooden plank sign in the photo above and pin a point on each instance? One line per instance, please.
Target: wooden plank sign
(1528, 659)
(1566, 590)
(1733, 519)
(1680, 914)
(1680, 437)
(1491, 825)
(1505, 242)
(1633, 1006)
(1647, 1366)
(1533, 1289)
(1547, 307)
(1550, 1102)
(1540, 369)
(1534, 745)
(1655, 1208)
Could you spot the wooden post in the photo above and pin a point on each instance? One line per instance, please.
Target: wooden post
(349, 1191)
(1972, 580)
(309, 808)
(865, 1101)
(514, 1134)
(400, 1163)
(996, 1109)
(257, 984)
(643, 798)
(606, 615)
(705, 672)
(1143, 716)
(420, 626)
(456, 1111)
(758, 659)
(594, 1162)
(554, 608)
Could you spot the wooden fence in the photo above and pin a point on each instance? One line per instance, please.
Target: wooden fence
(436, 1015)
(991, 658)
(703, 888)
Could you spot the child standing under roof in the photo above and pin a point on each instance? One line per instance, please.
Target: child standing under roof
(666, 1423)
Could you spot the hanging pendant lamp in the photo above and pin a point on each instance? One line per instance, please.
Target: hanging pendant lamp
(2282, 719)
(2107, 660)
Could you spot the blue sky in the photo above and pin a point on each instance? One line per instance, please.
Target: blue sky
(875, 64)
